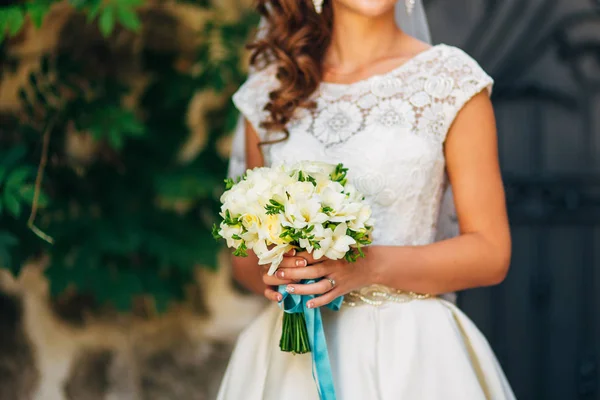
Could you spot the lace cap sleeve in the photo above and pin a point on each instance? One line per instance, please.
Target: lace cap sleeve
(468, 77)
(252, 97)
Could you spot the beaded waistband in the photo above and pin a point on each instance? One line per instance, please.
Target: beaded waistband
(377, 295)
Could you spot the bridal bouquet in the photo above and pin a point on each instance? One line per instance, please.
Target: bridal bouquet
(307, 206)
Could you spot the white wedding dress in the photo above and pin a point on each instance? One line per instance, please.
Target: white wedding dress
(389, 130)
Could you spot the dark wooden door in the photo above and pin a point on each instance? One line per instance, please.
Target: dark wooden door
(544, 321)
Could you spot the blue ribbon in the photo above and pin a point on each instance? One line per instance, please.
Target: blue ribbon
(295, 303)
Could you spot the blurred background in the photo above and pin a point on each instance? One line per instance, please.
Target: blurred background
(115, 130)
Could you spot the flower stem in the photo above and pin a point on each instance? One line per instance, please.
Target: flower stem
(294, 335)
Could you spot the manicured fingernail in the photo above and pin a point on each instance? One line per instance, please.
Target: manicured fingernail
(293, 252)
(280, 274)
(290, 289)
(301, 263)
(279, 297)
(309, 305)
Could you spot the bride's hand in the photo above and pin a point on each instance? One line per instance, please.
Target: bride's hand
(346, 277)
(290, 260)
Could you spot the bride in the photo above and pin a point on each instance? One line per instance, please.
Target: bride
(349, 81)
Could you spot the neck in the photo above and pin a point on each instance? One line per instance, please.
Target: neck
(357, 40)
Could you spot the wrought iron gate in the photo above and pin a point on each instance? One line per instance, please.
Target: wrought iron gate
(544, 321)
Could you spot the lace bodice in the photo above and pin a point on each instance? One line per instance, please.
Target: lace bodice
(388, 129)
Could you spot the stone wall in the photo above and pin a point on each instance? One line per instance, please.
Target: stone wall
(181, 355)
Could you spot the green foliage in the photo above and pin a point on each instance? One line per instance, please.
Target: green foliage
(126, 216)
(107, 13)
(339, 175)
(274, 207)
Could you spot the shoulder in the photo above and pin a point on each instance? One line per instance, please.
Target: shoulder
(441, 82)
(260, 81)
(253, 95)
(453, 75)
(456, 64)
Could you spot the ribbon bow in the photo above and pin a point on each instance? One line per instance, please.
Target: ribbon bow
(296, 303)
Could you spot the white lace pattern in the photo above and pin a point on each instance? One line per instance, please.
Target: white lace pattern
(388, 130)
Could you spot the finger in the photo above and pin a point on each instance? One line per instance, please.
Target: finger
(311, 272)
(323, 286)
(273, 295)
(290, 253)
(293, 262)
(275, 281)
(325, 299)
(309, 258)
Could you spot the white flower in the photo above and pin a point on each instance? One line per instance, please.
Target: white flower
(362, 219)
(313, 168)
(439, 86)
(392, 113)
(352, 193)
(332, 197)
(304, 212)
(347, 212)
(272, 256)
(227, 232)
(337, 122)
(271, 228)
(289, 200)
(335, 243)
(329, 185)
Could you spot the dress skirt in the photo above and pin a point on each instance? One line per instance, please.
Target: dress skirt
(419, 350)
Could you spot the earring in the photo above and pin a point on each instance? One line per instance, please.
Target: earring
(410, 6)
(318, 6)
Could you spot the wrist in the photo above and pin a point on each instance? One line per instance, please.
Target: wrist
(374, 265)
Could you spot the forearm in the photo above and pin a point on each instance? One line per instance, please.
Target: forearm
(247, 272)
(464, 262)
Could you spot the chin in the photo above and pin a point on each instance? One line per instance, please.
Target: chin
(368, 8)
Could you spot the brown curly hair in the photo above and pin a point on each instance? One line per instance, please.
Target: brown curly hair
(294, 39)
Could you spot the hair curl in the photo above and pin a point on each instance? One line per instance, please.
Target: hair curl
(294, 39)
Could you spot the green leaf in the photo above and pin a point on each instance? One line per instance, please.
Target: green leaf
(3, 26)
(94, 10)
(37, 12)
(215, 232)
(13, 206)
(107, 20)
(16, 179)
(78, 4)
(59, 277)
(115, 138)
(13, 155)
(3, 173)
(14, 19)
(128, 18)
(131, 3)
(241, 251)
(27, 193)
(7, 239)
(129, 123)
